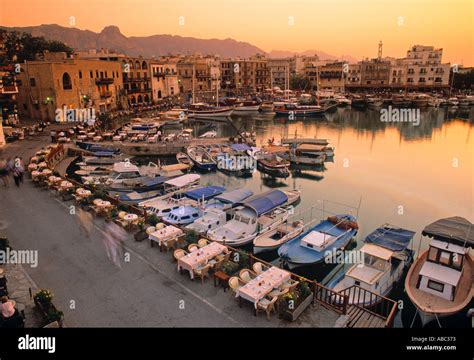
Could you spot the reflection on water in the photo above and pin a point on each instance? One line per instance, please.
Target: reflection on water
(403, 174)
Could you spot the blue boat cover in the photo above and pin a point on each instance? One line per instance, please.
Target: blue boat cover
(206, 193)
(240, 147)
(390, 237)
(267, 201)
(155, 181)
(234, 196)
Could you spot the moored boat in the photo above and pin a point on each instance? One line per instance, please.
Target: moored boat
(201, 110)
(201, 158)
(274, 165)
(273, 239)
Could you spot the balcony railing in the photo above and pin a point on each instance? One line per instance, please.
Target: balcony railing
(106, 94)
(134, 79)
(104, 81)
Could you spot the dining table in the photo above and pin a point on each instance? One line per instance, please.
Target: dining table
(257, 288)
(162, 235)
(200, 257)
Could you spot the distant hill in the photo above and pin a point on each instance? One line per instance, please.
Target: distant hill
(322, 55)
(155, 45)
(111, 37)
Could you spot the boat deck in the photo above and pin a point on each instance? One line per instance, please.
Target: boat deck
(430, 303)
(360, 317)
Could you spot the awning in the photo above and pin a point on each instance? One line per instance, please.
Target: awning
(125, 167)
(377, 251)
(266, 202)
(234, 196)
(206, 193)
(240, 147)
(183, 180)
(155, 181)
(390, 237)
(456, 230)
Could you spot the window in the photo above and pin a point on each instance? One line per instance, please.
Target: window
(457, 261)
(97, 73)
(444, 258)
(91, 74)
(434, 285)
(67, 85)
(32, 82)
(433, 254)
(80, 74)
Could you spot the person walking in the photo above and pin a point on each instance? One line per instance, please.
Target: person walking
(84, 219)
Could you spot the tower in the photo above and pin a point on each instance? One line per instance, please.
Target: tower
(380, 50)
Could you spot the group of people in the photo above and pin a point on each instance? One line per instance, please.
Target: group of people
(12, 167)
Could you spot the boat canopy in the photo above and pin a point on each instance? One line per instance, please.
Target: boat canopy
(183, 180)
(266, 202)
(456, 230)
(155, 181)
(240, 147)
(125, 166)
(206, 193)
(390, 237)
(234, 196)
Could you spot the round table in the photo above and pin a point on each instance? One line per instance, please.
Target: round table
(66, 185)
(42, 165)
(32, 167)
(46, 172)
(130, 217)
(83, 192)
(103, 204)
(54, 179)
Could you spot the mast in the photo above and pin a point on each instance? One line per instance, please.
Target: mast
(194, 69)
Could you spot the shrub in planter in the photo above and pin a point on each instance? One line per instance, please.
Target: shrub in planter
(100, 193)
(242, 257)
(141, 234)
(230, 267)
(55, 315)
(43, 297)
(304, 289)
(152, 219)
(122, 207)
(192, 237)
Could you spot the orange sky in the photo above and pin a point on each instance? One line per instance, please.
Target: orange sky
(337, 27)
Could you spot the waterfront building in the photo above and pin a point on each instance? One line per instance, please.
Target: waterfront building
(331, 77)
(56, 81)
(245, 76)
(199, 74)
(164, 80)
(137, 80)
(8, 94)
(280, 72)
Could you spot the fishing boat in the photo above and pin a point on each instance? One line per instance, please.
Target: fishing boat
(135, 197)
(229, 199)
(266, 107)
(274, 165)
(374, 102)
(201, 110)
(247, 106)
(183, 158)
(342, 100)
(273, 239)
(306, 154)
(234, 160)
(256, 215)
(201, 158)
(183, 215)
(383, 260)
(401, 101)
(137, 185)
(440, 281)
(293, 196)
(212, 218)
(121, 171)
(312, 247)
(421, 100)
(452, 101)
(294, 110)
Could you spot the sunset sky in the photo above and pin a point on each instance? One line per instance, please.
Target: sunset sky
(337, 27)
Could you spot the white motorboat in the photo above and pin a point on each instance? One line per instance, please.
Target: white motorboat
(201, 110)
(273, 239)
(212, 218)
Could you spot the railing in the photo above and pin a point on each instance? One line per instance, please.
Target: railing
(104, 81)
(330, 298)
(9, 89)
(106, 94)
(373, 303)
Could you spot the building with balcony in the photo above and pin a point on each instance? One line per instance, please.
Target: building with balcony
(137, 79)
(8, 94)
(198, 73)
(245, 76)
(58, 82)
(164, 80)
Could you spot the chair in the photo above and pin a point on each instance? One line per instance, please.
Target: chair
(266, 304)
(258, 268)
(279, 293)
(178, 254)
(169, 244)
(290, 284)
(202, 272)
(216, 264)
(202, 243)
(235, 283)
(246, 275)
(192, 247)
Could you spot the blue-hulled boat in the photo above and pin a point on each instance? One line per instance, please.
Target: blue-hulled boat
(314, 245)
(204, 193)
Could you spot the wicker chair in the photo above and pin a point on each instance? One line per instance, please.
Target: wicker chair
(202, 272)
(246, 275)
(258, 268)
(217, 263)
(192, 247)
(266, 304)
(235, 283)
(178, 254)
(202, 243)
(290, 284)
(169, 244)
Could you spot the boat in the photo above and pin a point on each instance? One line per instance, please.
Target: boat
(374, 102)
(234, 160)
(273, 239)
(421, 100)
(183, 215)
(383, 260)
(294, 110)
(121, 171)
(401, 101)
(452, 101)
(201, 110)
(359, 103)
(183, 158)
(201, 158)
(209, 134)
(440, 281)
(435, 102)
(312, 247)
(247, 106)
(212, 218)
(293, 196)
(135, 197)
(274, 165)
(306, 154)
(464, 102)
(266, 107)
(342, 100)
(102, 161)
(229, 199)
(256, 215)
(137, 185)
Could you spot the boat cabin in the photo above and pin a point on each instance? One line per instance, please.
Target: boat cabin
(212, 219)
(183, 215)
(319, 241)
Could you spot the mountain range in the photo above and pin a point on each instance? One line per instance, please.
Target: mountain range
(155, 45)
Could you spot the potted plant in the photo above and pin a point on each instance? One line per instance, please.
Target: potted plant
(192, 237)
(43, 297)
(296, 301)
(55, 315)
(230, 267)
(141, 234)
(152, 219)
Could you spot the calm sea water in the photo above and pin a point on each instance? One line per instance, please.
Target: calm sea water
(401, 174)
